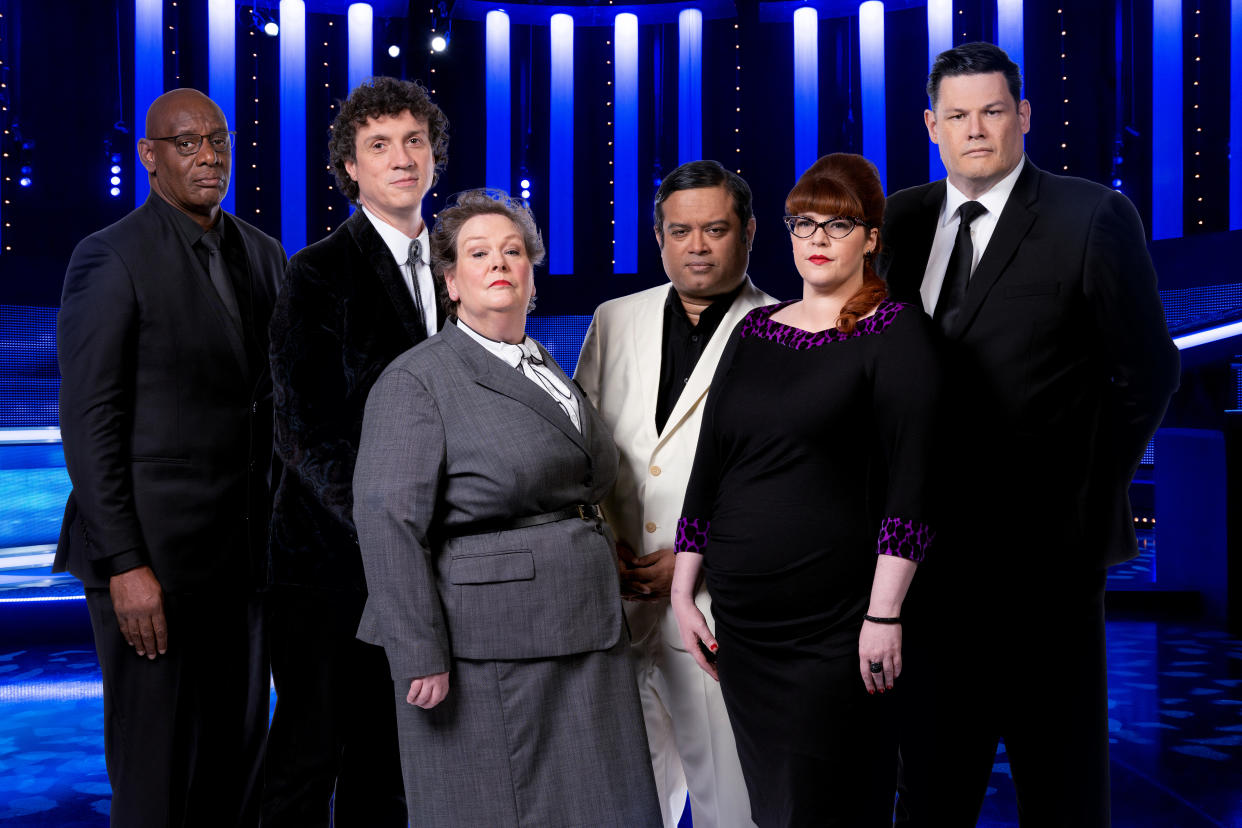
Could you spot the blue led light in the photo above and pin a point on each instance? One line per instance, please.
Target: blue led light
(394, 51)
(525, 193)
(116, 169)
(438, 44)
(114, 192)
(25, 181)
(115, 180)
(524, 183)
(271, 28)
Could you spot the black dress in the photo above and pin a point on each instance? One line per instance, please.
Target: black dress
(813, 446)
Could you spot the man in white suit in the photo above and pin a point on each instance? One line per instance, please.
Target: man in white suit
(647, 363)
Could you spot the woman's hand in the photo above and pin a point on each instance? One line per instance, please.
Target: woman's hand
(695, 636)
(428, 691)
(879, 644)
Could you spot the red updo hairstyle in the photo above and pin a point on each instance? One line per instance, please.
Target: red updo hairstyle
(845, 184)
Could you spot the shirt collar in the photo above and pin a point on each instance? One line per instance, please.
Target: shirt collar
(511, 355)
(993, 200)
(396, 241)
(712, 314)
(191, 231)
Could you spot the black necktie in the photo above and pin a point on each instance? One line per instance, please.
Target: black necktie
(957, 274)
(220, 276)
(415, 256)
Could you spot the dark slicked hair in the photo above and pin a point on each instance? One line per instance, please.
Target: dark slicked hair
(376, 98)
(694, 175)
(977, 58)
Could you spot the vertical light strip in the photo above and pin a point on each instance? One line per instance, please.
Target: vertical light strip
(1009, 34)
(1235, 116)
(625, 145)
(689, 85)
(871, 79)
(1166, 123)
(497, 122)
(148, 77)
(939, 39)
(806, 88)
(293, 125)
(561, 145)
(222, 73)
(360, 21)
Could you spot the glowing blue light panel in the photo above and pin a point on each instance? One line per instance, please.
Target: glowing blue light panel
(939, 39)
(561, 146)
(1166, 128)
(806, 88)
(625, 145)
(871, 78)
(497, 123)
(148, 77)
(1235, 116)
(562, 336)
(293, 125)
(360, 20)
(1009, 34)
(222, 73)
(689, 86)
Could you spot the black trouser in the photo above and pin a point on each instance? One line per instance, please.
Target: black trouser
(1025, 663)
(332, 753)
(183, 734)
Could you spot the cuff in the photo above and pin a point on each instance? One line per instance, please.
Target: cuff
(903, 538)
(121, 562)
(691, 535)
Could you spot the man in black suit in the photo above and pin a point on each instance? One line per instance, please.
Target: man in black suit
(1060, 366)
(165, 411)
(351, 304)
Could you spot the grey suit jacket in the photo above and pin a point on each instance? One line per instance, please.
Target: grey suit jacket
(453, 436)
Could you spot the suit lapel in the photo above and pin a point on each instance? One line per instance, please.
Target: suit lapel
(1014, 223)
(493, 374)
(647, 341)
(385, 268)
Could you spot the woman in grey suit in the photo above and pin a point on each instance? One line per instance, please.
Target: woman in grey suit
(492, 583)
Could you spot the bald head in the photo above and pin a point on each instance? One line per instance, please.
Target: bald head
(193, 181)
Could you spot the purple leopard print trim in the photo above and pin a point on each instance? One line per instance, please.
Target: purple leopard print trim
(690, 538)
(904, 538)
(759, 323)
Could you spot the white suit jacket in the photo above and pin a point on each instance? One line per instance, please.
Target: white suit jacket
(619, 368)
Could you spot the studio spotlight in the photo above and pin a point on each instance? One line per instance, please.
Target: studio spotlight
(394, 51)
(438, 44)
(271, 28)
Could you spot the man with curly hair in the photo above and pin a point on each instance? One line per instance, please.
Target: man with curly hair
(351, 303)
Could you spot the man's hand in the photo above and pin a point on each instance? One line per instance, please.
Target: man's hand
(138, 602)
(649, 578)
(428, 691)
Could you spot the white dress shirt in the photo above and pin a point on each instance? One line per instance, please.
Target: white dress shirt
(946, 232)
(420, 272)
(536, 372)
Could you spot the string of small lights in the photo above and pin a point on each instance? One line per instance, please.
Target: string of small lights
(8, 136)
(1064, 91)
(609, 96)
(254, 123)
(737, 98)
(326, 76)
(1198, 115)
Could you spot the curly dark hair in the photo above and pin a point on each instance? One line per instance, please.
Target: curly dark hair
(376, 98)
(845, 184)
(465, 206)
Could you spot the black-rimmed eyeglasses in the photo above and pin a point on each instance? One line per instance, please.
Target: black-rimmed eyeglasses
(189, 143)
(837, 227)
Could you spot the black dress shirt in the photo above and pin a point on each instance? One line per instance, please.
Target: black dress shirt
(683, 345)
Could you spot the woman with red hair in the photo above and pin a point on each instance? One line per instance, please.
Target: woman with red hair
(806, 513)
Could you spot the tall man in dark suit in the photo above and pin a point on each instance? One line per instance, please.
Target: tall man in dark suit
(165, 411)
(351, 303)
(1060, 366)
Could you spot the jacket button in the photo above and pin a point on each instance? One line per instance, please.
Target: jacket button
(655, 471)
(651, 527)
(254, 408)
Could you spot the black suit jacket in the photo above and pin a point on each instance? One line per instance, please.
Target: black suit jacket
(344, 314)
(1059, 370)
(165, 411)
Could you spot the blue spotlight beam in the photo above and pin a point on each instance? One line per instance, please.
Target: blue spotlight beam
(293, 125)
(1235, 116)
(498, 102)
(1010, 36)
(222, 74)
(939, 39)
(871, 76)
(625, 145)
(1208, 336)
(1166, 127)
(360, 21)
(805, 88)
(690, 86)
(148, 77)
(561, 146)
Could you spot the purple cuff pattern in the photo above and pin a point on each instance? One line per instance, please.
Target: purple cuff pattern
(690, 536)
(759, 323)
(907, 539)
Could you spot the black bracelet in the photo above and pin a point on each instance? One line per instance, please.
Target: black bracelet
(875, 620)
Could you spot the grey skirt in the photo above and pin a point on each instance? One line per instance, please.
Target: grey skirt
(551, 743)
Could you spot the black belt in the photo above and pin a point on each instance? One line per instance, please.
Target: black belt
(483, 527)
